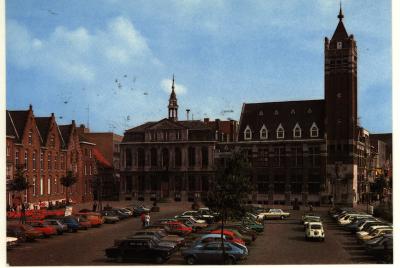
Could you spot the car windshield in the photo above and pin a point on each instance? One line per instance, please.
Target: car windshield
(316, 226)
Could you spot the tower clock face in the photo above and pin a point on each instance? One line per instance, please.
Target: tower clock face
(339, 95)
(339, 45)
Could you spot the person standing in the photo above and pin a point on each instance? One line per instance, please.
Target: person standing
(147, 219)
(94, 206)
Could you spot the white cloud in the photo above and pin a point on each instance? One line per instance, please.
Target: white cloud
(79, 54)
(166, 86)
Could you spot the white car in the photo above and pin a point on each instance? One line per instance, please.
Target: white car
(360, 234)
(315, 230)
(191, 217)
(273, 213)
(377, 232)
(309, 219)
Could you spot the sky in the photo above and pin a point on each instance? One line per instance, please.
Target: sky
(110, 63)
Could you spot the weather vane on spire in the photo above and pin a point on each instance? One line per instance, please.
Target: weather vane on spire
(340, 16)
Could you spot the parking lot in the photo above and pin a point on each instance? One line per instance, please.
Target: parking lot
(282, 242)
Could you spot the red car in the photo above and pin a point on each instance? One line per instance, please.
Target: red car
(230, 236)
(177, 227)
(43, 227)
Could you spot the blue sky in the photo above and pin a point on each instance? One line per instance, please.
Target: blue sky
(117, 57)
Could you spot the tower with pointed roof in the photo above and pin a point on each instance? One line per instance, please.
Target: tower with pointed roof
(173, 103)
(341, 110)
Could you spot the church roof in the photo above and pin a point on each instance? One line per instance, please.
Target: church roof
(286, 113)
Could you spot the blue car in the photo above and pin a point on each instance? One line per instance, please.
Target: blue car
(72, 223)
(211, 253)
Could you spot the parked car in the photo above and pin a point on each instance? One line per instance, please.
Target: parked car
(161, 234)
(188, 221)
(11, 242)
(349, 217)
(43, 227)
(371, 229)
(381, 247)
(84, 223)
(137, 211)
(139, 250)
(353, 226)
(177, 227)
(211, 253)
(275, 213)
(155, 239)
(229, 235)
(376, 233)
(23, 231)
(60, 227)
(191, 218)
(127, 211)
(315, 230)
(246, 238)
(95, 219)
(71, 222)
(110, 216)
(366, 225)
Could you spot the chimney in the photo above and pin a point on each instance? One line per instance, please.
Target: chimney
(187, 114)
(30, 107)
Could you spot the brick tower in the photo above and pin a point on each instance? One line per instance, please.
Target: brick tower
(341, 114)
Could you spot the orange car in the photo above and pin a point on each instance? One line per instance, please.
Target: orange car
(95, 219)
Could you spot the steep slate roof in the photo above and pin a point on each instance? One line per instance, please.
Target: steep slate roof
(166, 124)
(43, 124)
(288, 114)
(10, 129)
(65, 131)
(141, 128)
(340, 32)
(19, 119)
(83, 138)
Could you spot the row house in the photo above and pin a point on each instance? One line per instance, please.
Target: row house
(107, 157)
(46, 151)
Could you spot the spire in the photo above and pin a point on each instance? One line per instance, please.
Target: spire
(340, 16)
(173, 103)
(340, 32)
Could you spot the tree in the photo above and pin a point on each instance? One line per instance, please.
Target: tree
(19, 184)
(67, 181)
(231, 190)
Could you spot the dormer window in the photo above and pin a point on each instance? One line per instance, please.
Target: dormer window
(309, 111)
(280, 132)
(247, 133)
(264, 133)
(314, 131)
(297, 131)
(292, 111)
(276, 112)
(260, 113)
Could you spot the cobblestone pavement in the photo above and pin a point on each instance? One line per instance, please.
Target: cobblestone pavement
(281, 243)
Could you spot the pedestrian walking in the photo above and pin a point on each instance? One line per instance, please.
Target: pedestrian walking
(147, 219)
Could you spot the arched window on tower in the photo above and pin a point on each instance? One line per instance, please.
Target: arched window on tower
(280, 132)
(314, 131)
(264, 133)
(247, 133)
(297, 131)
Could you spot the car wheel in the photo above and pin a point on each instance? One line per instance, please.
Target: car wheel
(190, 260)
(229, 260)
(159, 259)
(120, 259)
